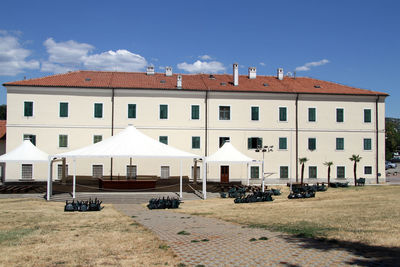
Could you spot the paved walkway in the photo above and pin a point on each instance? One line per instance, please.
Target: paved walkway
(212, 242)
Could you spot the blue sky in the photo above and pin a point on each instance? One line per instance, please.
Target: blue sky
(353, 42)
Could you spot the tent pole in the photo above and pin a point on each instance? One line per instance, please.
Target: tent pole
(48, 180)
(180, 180)
(248, 174)
(204, 179)
(74, 181)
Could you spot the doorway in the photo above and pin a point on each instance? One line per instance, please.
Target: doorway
(224, 174)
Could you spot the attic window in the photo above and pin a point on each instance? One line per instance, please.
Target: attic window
(223, 83)
(211, 77)
(162, 81)
(317, 86)
(88, 79)
(265, 84)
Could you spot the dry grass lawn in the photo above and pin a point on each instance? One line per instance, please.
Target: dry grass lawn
(39, 233)
(370, 214)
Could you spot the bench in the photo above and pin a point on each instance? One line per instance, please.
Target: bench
(360, 181)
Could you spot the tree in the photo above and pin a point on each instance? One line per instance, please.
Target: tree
(302, 161)
(3, 112)
(356, 159)
(392, 137)
(329, 164)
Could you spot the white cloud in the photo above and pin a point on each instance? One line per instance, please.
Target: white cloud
(199, 66)
(205, 57)
(13, 57)
(262, 64)
(308, 65)
(71, 55)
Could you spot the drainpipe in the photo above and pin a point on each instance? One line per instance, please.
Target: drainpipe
(376, 139)
(112, 129)
(297, 140)
(206, 125)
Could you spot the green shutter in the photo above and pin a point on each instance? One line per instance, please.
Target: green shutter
(311, 114)
(98, 110)
(339, 143)
(63, 140)
(63, 110)
(195, 142)
(284, 172)
(163, 139)
(163, 111)
(282, 114)
(339, 115)
(132, 111)
(367, 115)
(195, 112)
(340, 172)
(312, 143)
(28, 109)
(312, 172)
(254, 172)
(367, 144)
(249, 143)
(259, 142)
(254, 113)
(97, 138)
(31, 138)
(282, 143)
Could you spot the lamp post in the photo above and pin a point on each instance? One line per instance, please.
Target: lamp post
(263, 150)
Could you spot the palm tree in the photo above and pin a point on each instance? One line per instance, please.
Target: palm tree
(302, 161)
(329, 164)
(355, 158)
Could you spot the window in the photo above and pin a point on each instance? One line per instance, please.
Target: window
(312, 144)
(312, 115)
(195, 112)
(282, 143)
(97, 138)
(339, 115)
(63, 110)
(367, 170)
(28, 108)
(282, 114)
(30, 137)
(59, 171)
(340, 143)
(163, 139)
(284, 172)
(254, 172)
(63, 140)
(131, 171)
(195, 142)
(163, 112)
(254, 142)
(255, 113)
(26, 172)
(222, 140)
(131, 111)
(97, 171)
(340, 171)
(367, 144)
(224, 113)
(98, 110)
(164, 172)
(367, 115)
(312, 172)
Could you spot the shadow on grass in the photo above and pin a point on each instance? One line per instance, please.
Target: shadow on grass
(373, 255)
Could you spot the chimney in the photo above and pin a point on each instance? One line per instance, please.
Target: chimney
(280, 74)
(179, 81)
(150, 70)
(235, 74)
(168, 71)
(252, 72)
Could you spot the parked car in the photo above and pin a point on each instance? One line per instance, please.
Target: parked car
(389, 165)
(395, 159)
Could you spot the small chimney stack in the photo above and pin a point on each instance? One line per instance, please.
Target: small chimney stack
(235, 74)
(168, 71)
(252, 72)
(179, 81)
(150, 70)
(280, 74)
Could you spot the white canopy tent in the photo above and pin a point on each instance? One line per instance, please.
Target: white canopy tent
(25, 153)
(128, 143)
(229, 154)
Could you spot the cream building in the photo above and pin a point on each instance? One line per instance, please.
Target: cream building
(298, 116)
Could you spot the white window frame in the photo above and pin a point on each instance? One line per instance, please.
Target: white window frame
(127, 111)
(316, 168)
(344, 144)
(33, 172)
(371, 170)
(316, 117)
(259, 113)
(58, 176)
(344, 172)
(23, 109)
(344, 114)
(63, 147)
(59, 104)
(169, 171)
(259, 172)
(283, 149)
(191, 105)
(101, 164)
(230, 112)
(367, 150)
(102, 111)
(191, 142)
(159, 112)
(312, 137)
(287, 114)
(363, 119)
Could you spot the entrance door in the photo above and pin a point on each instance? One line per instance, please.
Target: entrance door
(224, 174)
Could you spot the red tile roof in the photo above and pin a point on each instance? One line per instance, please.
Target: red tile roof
(220, 82)
(3, 128)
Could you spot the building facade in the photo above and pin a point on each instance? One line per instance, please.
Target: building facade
(298, 116)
